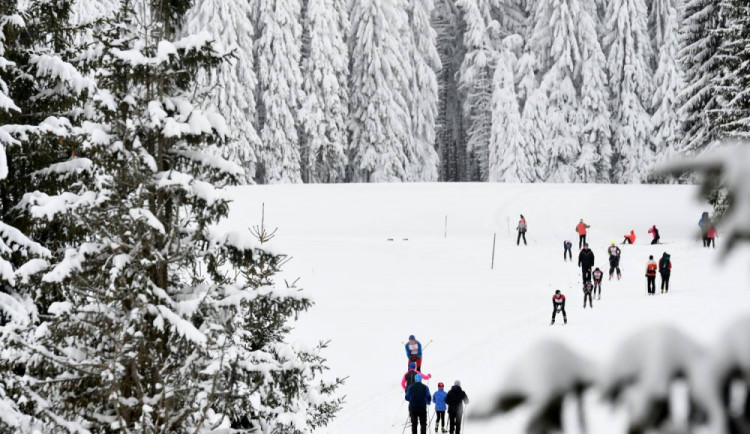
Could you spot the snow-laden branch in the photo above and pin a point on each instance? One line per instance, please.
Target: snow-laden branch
(56, 68)
(727, 166)
(639, 378)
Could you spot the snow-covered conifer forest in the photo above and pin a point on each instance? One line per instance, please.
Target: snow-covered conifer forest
(445, 90)
(128, 127)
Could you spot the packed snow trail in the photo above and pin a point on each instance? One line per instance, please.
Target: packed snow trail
(371, 294)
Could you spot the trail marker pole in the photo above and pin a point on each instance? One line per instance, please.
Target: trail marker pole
(494, 236)
(445, 233)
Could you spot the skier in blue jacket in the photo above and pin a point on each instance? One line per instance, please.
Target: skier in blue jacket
(438, 398)
(414, 351)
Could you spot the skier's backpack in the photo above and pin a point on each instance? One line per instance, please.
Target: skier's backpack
(664, 264)
(410, 378)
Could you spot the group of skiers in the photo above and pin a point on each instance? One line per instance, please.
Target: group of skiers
(708, 230)
(592, 279)
(418, 395)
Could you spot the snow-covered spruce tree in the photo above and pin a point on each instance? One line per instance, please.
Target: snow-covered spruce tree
(631, 84)
(536, 130)
(594, 162)
(10, 22)
(380, 120)
(280, 78)
(48, 91)
(659, 26)
(732, 83)
(163, 323)
(699, 46)
(234, 81)
(449, 123)
(553, 38)
(667, 86)
(562, 146)
(476, 75)
(509, 156)
(555, 44)
(423, 105)
(325, 108)
(20, 257)
(525, 75)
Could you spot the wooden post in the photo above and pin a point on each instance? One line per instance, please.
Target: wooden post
(494, 236)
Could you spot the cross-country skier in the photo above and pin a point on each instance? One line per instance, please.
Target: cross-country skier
(567, 250)
(414, 351)
(411, 375)
(629, 239)
(588, 288)
(558, 305)
(614, 260)
(419, 398)
(581, 229)
(665, 269)
(586, 261)
(438, 398)
(711, 236)
(521, 228)
(704, 223)
(651, 268)
(455, 399)
(655, 234)
(597, 274)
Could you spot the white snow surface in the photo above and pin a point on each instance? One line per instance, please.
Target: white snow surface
(478, 324)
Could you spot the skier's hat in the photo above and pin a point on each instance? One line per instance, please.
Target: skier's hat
(412, 365)
(557, 291)
(441, 385)
(418, 378)
(457, 383)
(412, 338)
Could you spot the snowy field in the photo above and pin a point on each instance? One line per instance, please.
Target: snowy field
(372, 293)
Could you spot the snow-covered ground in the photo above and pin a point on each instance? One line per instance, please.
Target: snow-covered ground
(372, 293)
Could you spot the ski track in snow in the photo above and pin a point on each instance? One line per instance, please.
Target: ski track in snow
(370, 293)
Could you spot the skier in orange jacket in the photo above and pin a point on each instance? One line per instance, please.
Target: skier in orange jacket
(581, 229)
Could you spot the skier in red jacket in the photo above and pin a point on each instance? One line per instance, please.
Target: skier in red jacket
(581, 230)
(651, 268)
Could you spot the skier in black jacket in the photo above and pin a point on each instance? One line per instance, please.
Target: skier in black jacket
(455, 399)
(588, 289)
(586, 261)
(419, 398)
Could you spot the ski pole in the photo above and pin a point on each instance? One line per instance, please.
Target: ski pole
(461, 424)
